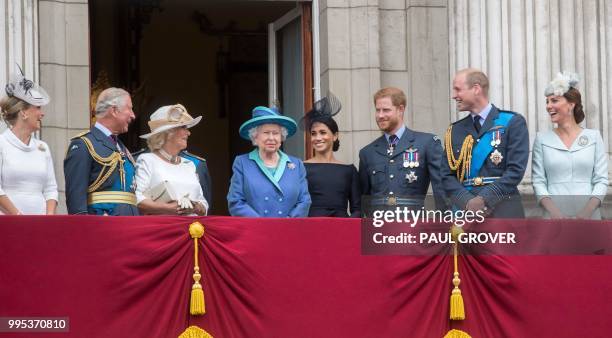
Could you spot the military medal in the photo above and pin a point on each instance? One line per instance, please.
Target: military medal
(496, 157)
(496, 138)
(583, 141)
(411, 177)
(411, 158)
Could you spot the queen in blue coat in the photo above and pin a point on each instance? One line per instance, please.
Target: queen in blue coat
(267, 182)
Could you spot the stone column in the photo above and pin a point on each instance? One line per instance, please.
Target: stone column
(350, 68)
(18, 41)
(64, 73)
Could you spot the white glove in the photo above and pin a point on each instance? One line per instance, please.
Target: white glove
(185, 203)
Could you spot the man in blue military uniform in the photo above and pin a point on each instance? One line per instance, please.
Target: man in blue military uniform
(98, 168)
(397, 168)
(201, 170)
(486, 152)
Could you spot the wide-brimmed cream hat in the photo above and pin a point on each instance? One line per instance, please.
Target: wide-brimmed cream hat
(168, 117)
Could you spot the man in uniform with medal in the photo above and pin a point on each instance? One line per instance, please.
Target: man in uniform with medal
(486, 152)
(98, 168)
(397, 167)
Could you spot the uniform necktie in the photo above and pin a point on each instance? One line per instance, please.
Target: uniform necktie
(477, 123)
(115, 140)
(393, 140)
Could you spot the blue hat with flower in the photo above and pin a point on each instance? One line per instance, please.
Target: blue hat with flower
(265, 115)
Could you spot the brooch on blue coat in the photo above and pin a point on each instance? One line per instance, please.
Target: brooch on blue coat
(290, 165)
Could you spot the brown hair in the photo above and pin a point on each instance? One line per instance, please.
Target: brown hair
(573, 96)
(398, 98)
(477, 77)
(10, 107)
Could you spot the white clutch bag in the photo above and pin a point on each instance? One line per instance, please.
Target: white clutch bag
(162, 192)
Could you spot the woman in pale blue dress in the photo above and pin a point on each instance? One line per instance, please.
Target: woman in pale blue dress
(570, 165)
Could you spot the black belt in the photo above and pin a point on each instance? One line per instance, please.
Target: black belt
(478, 181)
(392, 201)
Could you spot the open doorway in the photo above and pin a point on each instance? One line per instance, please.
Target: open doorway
(211, 56)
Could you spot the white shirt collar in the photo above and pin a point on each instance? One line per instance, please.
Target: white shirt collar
(399, 133)
(483, 113)
(102, 128)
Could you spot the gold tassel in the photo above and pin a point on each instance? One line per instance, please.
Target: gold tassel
(195, 332)
(457, 334)
(197, 305)
(457, 311)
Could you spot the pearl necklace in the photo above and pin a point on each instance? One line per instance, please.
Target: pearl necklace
(170, 158)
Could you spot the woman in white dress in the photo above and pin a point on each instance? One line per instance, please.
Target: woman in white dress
(570, 165)
(166, 183)
(27, 179)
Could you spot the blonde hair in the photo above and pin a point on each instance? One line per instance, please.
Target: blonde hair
(10, 107)
(157, 141)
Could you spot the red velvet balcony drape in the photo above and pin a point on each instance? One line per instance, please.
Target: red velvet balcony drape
(131, 277)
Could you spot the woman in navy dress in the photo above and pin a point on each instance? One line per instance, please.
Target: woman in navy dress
(333, 186)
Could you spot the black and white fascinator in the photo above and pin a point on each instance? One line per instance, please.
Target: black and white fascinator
(322, 110)
(26, 90)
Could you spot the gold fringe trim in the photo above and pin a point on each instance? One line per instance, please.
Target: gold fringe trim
(457, 334)
(461, 165)
(194, 332)
(196, 305)
(457, 311)
(109, 164)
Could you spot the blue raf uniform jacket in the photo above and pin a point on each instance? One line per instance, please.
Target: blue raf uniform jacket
(203, 174)
(384, 175)
(502, 194)
(253, 194)
(85, 175)
(201, 170)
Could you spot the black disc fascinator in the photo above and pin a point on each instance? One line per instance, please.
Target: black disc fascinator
(322, 111)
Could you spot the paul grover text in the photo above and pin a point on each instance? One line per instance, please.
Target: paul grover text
(446, 238)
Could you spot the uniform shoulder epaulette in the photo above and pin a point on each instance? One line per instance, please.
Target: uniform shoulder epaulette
(80, 135)
(194, 156)
(507, 111)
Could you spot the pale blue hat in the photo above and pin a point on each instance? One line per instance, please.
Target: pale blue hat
(265, 115)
